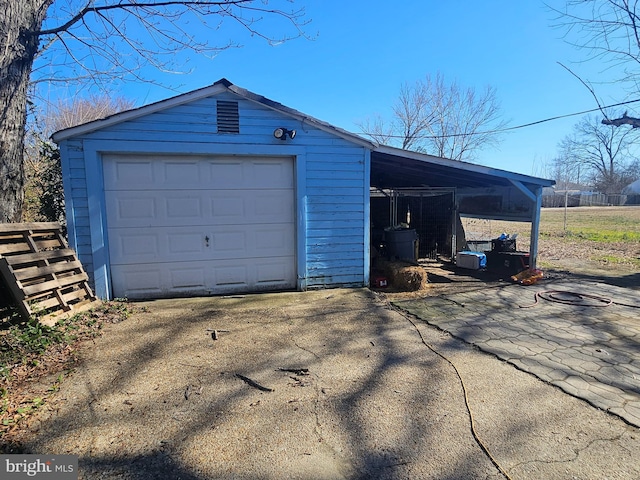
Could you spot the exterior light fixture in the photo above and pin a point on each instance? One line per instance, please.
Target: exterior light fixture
(281, 133)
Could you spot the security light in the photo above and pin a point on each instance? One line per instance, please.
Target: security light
(281, 133)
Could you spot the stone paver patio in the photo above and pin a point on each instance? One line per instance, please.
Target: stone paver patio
(587, 345)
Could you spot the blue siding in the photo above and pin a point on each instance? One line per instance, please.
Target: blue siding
(336, 209)
(332, 183)
(75, 183)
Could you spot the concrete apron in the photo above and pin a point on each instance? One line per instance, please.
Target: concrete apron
(157, 397)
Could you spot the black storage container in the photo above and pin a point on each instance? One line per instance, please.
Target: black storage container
(506, 245)
(507, 263)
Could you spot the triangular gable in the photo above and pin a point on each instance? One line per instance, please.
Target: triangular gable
(222, 85)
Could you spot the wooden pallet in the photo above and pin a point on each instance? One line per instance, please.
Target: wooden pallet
(42, 273)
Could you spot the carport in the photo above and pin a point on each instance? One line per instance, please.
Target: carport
(404, 180)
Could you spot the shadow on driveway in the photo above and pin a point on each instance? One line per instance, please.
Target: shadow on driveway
(157, 397)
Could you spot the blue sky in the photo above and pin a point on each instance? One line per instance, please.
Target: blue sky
(362, 51)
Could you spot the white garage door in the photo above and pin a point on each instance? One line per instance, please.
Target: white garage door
(199, 225)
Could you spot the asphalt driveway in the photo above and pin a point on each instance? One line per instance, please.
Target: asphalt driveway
(316, 385)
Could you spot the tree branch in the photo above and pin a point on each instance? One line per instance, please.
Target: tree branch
(588, 87)
(133, 5)
(624, 120)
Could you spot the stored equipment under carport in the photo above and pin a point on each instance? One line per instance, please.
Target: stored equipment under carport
(507, 263)
(402, 244)
(471, 260)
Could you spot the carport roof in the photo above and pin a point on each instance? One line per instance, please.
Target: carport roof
(396, 168)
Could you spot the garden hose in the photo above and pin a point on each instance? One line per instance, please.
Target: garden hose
(576, 299)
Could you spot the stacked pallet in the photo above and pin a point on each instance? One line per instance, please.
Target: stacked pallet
(41, 272)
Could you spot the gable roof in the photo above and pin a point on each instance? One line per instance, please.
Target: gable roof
(221, 86)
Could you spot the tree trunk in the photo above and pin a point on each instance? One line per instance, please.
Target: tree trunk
(18, 19)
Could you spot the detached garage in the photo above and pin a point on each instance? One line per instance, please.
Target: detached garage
(223, 191)
(216, 191)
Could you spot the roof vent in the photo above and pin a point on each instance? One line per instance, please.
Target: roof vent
(227, 117)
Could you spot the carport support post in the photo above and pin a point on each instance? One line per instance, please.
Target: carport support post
(536, 199)
(535, 230)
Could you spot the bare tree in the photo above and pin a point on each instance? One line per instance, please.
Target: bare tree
(441, 119)
(416, 110)
(565, 172)
(101, 40)
(43, 191)
(601, 154)
(609, 31)
(66, 114)
(377, 129)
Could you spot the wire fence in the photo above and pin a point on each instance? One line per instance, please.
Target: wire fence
(588, 199)
(479, 232)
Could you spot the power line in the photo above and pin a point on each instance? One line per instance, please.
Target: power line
(506, 129)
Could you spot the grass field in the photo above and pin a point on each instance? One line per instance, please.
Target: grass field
(598, 224)
(606, 238)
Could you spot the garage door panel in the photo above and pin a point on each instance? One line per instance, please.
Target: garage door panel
(186, 243)
(159, 280)
(179, 175)
(155, 208)
(137, 245)
(137, 172)
(228, 208)
(124, 173)
(257, 274)
(129, 246)
(134, 210)
(236, 275)
(271, 205)
(183, 208)
(183, 277)
(172, 232)
(251, 174)
(269, 273)
(230, 242)
(157, 244)
(273, 240)
(272, 174)
(253, 241)
(160, 208)
(198, 278)
(250, 207)
(136, 283)
(224, 173)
